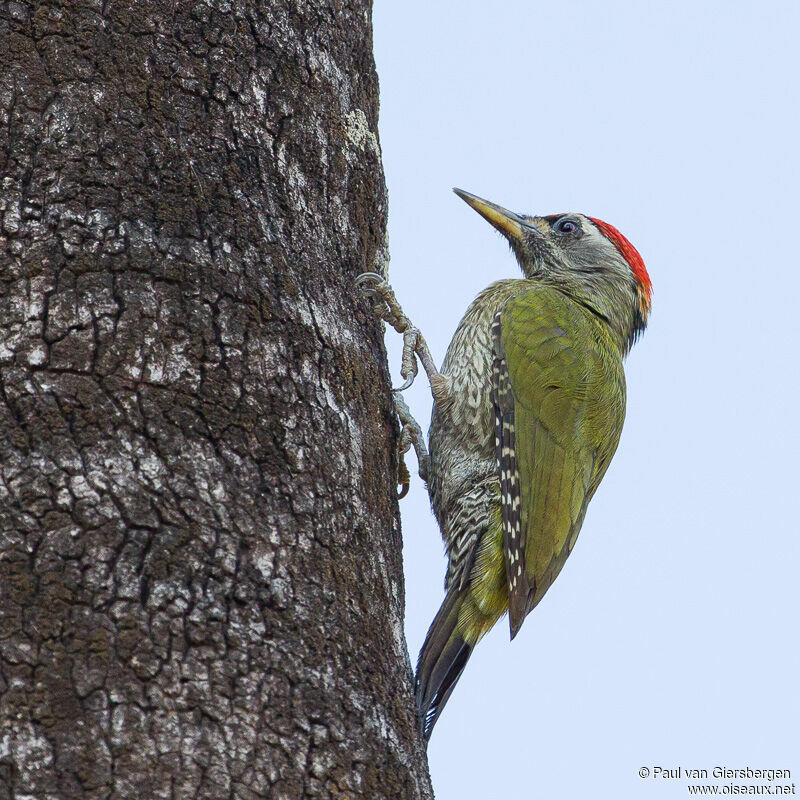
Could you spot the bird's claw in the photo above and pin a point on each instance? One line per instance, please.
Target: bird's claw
(411, 436)
(385, 306)
(363, 280)
(377, 288)
(407, 384)
(409, 368)
(404, 440)
(403, 477)
(374, 286)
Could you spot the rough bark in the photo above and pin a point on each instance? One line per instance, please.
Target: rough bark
(199, 543)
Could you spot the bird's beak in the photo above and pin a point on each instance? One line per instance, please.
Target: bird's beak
(511, 225)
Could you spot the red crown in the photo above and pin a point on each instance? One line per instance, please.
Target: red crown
(629, 253)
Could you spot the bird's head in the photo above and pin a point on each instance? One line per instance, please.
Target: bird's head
(587, 258)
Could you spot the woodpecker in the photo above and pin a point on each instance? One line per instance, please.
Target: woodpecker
(528, 410)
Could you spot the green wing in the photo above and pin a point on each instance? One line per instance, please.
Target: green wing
(568, 387)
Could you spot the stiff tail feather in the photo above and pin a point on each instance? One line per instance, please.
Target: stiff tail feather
(441, 662)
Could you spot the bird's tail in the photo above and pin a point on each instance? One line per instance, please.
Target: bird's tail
(441, 662)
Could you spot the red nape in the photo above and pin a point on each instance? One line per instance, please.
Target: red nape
(629, 253)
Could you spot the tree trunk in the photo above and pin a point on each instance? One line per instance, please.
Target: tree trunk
(200, 562)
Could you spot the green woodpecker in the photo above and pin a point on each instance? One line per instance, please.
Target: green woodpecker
(528, 411)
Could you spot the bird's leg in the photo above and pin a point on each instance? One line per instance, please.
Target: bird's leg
(388, 309)
(410, 435)
(385, 306)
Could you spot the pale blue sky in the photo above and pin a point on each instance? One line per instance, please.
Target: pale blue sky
(671, 636)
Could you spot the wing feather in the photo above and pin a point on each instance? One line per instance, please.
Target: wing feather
(511, 502)
(565, 376)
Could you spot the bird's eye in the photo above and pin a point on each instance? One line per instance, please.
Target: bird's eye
(567, 225)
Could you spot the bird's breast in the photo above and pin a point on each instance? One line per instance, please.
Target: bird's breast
(468, 368)
(462, 445)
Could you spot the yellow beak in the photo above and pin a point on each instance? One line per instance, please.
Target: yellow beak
(507, 222)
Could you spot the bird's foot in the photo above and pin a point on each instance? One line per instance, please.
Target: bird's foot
(410, 436)
(386, 307)
(385, 304)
